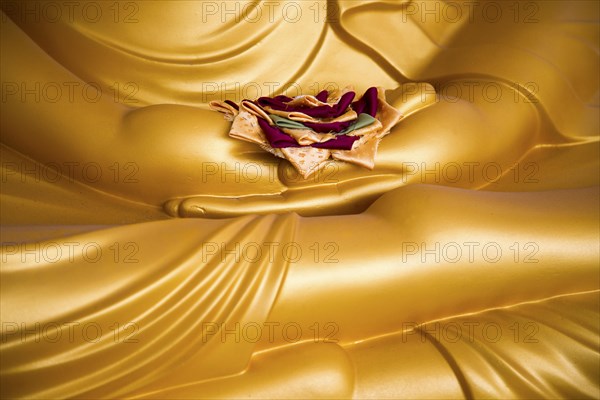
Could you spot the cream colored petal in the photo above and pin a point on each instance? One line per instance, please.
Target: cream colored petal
(245, 127)
(305, 137)
(222, 107)
(307, 101)
(362, 154)
(375, 127)
(336, 95)
(349, 115)
(387, 114)
(255, 110)
(306, 160)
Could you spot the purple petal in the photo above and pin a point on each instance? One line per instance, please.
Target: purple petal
(277, 139)
(342, 142)
(322, 96)
(368, 103)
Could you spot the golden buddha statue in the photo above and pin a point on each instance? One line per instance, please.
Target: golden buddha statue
(478, 278)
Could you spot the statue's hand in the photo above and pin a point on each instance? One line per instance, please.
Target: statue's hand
(465, 142)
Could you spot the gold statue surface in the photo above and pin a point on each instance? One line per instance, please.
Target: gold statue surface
(464, 264)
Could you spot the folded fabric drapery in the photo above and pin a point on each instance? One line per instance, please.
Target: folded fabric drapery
(317, 124)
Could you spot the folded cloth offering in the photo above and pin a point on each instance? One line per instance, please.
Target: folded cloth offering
(309, 130)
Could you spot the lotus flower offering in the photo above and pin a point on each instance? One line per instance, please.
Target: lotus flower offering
(309, 130)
